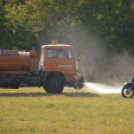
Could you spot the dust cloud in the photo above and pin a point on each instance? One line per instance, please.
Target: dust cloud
(100, 62)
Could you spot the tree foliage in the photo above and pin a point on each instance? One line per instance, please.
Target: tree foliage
(36, 22)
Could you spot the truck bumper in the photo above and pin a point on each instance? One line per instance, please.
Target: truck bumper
(79, 81)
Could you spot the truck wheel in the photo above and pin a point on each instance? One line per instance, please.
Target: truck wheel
(54, 85)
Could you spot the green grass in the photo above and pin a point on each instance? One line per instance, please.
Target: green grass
(33, 111)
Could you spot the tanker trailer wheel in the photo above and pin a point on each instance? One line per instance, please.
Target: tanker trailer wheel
(127, 92)
(54, 84)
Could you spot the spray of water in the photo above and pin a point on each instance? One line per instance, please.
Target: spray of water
(102, 89)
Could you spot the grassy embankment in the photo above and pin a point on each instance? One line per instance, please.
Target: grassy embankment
(32, 110)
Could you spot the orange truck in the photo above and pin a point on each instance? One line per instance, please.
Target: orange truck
(56, 68)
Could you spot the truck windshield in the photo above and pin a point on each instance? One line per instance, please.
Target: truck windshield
(64, 53)
(69, 54)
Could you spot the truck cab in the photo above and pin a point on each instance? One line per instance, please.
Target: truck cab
(58, 58)
(60, 62)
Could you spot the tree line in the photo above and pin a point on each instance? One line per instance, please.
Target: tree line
(27, 23)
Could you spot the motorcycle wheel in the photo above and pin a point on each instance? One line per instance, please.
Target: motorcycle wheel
(127, 94)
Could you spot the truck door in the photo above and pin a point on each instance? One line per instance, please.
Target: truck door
(50, 61)
(66, 63)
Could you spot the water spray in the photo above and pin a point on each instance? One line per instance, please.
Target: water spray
(102, 89)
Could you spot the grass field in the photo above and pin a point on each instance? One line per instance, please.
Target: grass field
(33, 111)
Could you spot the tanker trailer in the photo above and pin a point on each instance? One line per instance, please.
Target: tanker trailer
(15, 65)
